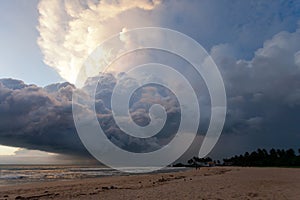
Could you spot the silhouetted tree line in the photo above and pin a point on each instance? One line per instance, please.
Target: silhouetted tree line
(258, 158)
(261, 157)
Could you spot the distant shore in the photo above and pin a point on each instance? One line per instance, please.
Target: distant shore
(205, 183)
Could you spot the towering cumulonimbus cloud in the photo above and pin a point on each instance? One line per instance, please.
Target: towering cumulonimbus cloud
(263, 105)
(71, 29)
(257, 51)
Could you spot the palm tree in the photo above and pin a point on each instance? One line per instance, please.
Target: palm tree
(273, 153)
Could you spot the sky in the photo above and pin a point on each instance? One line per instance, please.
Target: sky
(256, 45)
(21, 57)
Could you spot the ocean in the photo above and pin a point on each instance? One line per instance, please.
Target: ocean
(18, 174)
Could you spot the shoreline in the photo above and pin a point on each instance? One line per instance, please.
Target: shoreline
(204, 183)
(20, 175)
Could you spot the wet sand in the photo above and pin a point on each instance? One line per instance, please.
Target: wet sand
(206, 183)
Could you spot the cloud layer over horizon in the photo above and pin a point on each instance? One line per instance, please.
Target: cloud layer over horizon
(41, 118)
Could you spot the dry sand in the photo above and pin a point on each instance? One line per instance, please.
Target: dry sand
(206, 183)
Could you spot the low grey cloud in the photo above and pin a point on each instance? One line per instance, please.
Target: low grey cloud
(38, 118)
(41, 118)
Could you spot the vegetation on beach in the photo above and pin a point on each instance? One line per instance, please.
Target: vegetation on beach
(258, 158)
(261, 158)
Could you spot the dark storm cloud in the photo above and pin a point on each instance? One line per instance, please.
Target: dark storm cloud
(263, 94)
(263, 105)
(139, 105)
(41, 118)
(37, 118)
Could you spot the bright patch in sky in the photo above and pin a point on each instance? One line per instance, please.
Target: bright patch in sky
(5, 150)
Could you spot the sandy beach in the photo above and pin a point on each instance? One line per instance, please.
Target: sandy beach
(206, 183)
